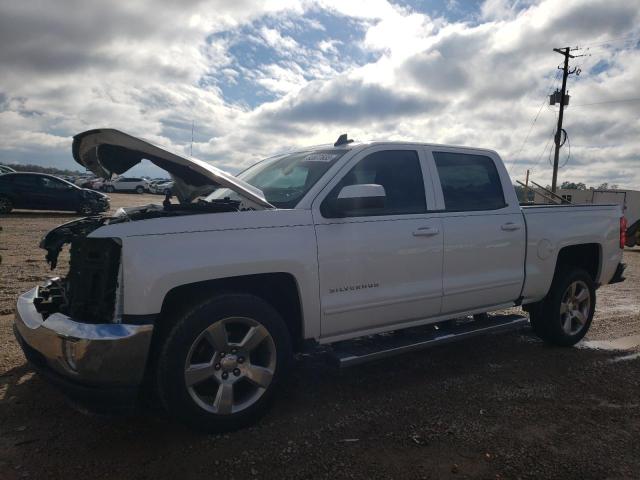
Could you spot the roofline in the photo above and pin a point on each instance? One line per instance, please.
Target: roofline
(423, 144)
(34, 173)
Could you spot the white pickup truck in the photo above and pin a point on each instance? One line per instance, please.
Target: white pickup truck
(205, 301)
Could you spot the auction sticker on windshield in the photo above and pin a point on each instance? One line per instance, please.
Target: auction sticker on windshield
(319, 157)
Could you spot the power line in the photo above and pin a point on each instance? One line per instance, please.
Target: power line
(535, 119)
(625, 38)
(553, 132)
(636, 99)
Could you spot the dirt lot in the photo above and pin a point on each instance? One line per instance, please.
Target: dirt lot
(504, 406)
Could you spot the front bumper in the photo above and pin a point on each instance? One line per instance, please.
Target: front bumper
(84, 359)
(103, 204)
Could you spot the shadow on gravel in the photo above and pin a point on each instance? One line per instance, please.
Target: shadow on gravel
(504, 405)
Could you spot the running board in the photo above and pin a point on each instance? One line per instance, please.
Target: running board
(365, 349)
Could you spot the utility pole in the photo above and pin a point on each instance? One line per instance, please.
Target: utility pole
(563, 98)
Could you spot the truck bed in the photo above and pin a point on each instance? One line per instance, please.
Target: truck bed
(553, 227)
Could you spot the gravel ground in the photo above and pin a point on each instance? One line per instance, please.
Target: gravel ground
(502, 406)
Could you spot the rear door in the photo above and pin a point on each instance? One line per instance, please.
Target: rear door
(380, 267)
(25, 191)
(125, 184)
(484, 231)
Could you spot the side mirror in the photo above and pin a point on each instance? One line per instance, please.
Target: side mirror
(358, 198)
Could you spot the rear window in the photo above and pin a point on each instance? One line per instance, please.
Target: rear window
(469, 182)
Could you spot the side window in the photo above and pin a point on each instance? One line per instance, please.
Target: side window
(398, 171)
(469, 182)
(52, 183)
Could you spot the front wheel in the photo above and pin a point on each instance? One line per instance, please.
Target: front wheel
(222, 361)
(563, 318)
(85, 209)
(139, 190)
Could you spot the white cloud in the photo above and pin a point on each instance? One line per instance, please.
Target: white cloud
(275, 40)
(153, 70)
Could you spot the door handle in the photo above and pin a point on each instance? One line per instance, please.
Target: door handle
(510, 227)
(426, 232)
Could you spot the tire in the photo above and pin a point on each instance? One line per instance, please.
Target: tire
(631, 238)
(109, 189)
(236, 386)
(139, 190)
(6, 205)
(85, 209)
(563, 318)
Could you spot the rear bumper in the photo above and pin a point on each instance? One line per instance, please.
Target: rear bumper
(617, 276)
(101, 364)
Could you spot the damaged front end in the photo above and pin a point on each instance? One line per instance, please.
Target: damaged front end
(89, 291)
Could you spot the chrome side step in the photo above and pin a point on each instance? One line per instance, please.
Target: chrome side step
(365, 349)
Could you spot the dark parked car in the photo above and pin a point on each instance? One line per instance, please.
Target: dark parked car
(37, 191)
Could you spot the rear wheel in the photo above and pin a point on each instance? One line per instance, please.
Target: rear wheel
(5, 205)
(632, 237)
(222, 361)
(563, 318)
(109, 189)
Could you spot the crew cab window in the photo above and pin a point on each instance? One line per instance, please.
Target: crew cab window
(398, 171)
(469, 182)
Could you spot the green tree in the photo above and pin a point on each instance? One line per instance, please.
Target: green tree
(573, 186)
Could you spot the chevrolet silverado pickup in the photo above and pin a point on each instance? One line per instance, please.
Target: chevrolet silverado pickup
(361, 250)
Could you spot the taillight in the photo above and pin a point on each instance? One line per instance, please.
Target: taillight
(623, 232)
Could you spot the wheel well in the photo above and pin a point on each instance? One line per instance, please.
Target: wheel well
(280, 290)
(585, 256)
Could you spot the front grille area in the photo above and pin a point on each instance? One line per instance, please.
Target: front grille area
(92, 280)
(88, 293)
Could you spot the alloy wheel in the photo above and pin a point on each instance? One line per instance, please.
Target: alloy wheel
(230, 365)
(575, 307)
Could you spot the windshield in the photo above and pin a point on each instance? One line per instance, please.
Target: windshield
(285, 179)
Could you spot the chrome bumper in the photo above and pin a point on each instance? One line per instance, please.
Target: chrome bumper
(92, 354)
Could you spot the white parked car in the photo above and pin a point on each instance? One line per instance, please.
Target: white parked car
(126, 184)
(83, 181)
(161, 187)
(207, 300)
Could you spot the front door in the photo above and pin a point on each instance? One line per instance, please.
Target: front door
(379, 266)
(54, 194)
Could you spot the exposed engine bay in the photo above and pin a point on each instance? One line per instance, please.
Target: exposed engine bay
(69, 232)
(90, 290)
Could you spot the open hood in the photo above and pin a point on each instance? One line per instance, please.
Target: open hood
(106, 152)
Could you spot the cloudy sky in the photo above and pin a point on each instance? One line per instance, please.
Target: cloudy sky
(257, 77)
